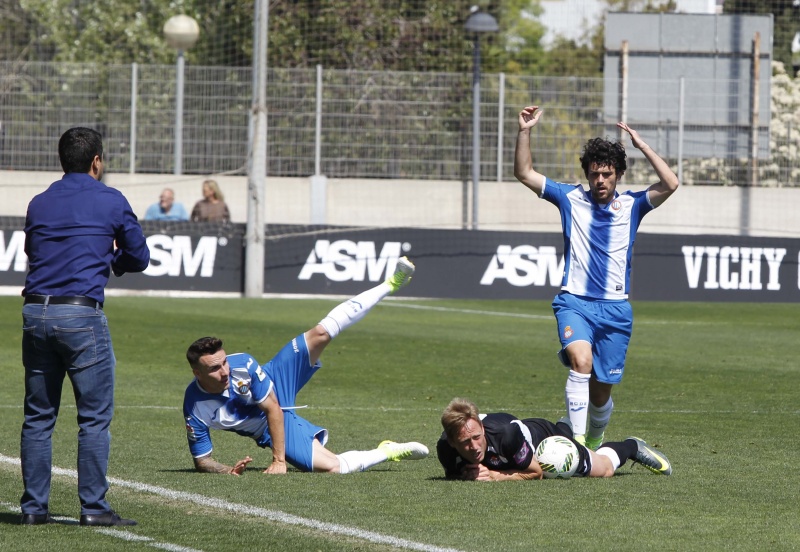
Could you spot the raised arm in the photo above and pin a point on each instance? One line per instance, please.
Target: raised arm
(523, 162)
(667, 183)
(272, 409)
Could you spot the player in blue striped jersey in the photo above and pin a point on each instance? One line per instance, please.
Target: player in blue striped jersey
(236, 393)
(599, 226)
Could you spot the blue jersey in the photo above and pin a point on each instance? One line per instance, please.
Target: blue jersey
(598, 239)
(237, 408)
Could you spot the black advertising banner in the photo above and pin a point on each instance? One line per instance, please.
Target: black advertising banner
(524, 265)
(193, 257)
(183, 257)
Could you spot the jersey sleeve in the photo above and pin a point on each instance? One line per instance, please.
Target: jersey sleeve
(249, 381)
(515, 448)
(555, 192)
(448, 458)
(199, 437)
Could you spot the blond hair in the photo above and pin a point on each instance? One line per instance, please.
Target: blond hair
(456, 416)
(214, 188)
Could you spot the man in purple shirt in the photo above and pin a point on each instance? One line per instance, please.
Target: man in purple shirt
(76, 233)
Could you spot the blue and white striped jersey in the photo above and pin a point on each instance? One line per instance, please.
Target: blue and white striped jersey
(236, 409)
(598, 239)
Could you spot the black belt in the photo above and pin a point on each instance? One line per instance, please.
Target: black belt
(79, 300)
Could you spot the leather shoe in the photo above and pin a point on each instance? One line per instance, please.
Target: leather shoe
(35, 519)
(106, 519)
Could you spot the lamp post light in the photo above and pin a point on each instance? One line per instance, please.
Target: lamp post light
(478, 22)
(181, 32)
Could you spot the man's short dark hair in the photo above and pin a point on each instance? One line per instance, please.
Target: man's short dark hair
(77, 149)
(604, 153)
(202, 347)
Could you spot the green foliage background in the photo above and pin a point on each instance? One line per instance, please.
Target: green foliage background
(401, 35)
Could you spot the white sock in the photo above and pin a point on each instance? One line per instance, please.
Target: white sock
(576, 397)
(351, 311)
(598, 418)
(611, 455)
(360, 460)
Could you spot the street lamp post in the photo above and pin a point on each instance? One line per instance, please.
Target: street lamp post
(478, 22)
(181, 32)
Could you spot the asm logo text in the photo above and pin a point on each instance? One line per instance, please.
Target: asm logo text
(344, 260)
(13, 253)
(168, 254)
(525, 265)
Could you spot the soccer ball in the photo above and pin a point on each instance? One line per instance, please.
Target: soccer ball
(558, 457)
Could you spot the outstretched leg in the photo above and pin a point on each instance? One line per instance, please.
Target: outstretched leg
(360, 460)
(351, 311)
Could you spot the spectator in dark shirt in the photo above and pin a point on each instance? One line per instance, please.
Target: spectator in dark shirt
(76, 232)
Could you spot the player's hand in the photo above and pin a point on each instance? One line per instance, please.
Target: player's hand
(240, 466)
(276, 468)
(529, 116)
(470, 472)
(636, 140)
(485, 474)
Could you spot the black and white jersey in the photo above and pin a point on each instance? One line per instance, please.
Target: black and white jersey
(510, 443)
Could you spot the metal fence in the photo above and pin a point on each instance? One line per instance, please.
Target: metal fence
(371, 124)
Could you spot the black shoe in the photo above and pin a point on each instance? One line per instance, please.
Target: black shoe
(35, 519)
(106, 519)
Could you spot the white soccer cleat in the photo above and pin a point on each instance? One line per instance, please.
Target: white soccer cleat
(402, 274)
(403, 451)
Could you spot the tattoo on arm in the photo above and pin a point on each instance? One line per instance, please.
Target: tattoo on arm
(206, 464)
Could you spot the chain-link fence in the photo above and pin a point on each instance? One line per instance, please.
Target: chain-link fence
(371, 124)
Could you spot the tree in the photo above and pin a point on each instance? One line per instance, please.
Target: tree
(786, 21)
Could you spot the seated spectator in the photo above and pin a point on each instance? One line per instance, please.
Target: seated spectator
(212, 207)
(166, 208)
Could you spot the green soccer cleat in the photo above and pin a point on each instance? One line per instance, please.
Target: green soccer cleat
(595, 442)
(580, 439)
(403, 451)
(402, 274)
(651, 459)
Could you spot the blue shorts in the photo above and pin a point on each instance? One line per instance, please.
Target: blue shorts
(605, 325)
(290, 370)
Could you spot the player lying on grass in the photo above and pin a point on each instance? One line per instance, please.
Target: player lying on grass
(500, 447)
(235, 393)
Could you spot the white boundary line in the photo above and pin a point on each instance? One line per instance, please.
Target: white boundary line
(117, 533)
(271, 515)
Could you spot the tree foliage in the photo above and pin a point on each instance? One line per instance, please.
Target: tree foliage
(786, 22)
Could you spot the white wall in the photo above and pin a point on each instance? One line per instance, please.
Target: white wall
(437, 204)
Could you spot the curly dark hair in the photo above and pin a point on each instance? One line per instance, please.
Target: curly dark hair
(202, 347)
(604, 152)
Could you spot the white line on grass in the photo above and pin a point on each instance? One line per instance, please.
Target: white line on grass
(124, 535)
(272, 515)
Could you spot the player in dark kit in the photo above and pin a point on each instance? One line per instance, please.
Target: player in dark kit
(501, 447)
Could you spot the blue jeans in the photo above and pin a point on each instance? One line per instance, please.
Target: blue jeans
(59, 340)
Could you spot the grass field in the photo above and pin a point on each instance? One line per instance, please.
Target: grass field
(714, 386)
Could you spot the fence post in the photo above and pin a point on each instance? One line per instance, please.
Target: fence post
(134, 95)
(681, 118)
(319, 182)
(501, 95)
